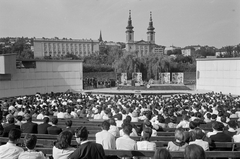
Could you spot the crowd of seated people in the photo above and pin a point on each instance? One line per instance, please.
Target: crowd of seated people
(185, 112)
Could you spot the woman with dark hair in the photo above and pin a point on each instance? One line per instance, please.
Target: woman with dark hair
(179, 144)
(145, 144)
(87, 149)
(162, 154)
(30, 143)
(194, 152)
(62, 148)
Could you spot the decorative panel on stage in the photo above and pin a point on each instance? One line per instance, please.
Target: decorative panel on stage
(177, 78)
(165, 78)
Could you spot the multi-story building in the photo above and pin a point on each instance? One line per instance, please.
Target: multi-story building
(142, 47)
(57, 48)
(188, 51)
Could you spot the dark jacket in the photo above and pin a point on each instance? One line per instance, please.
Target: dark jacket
(29, 127)
(42, 128)
(88, 150)
(54, 130)
(7, 129)
(220, 137)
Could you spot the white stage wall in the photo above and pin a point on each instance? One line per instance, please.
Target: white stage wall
(49, 75)
(219, 75)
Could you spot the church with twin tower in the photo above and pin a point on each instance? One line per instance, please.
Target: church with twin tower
(142, 47)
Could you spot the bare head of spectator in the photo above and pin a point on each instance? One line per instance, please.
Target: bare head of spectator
(46, 120)
(127, 129)
(30, 141)
(14, 135)
(147, 133)
(179, 135)
(10, 118)
(199, 134)
(161, 119)
(192, 124)
(232, 124)
(54, 121)
(213, 117)
(28, 117)
(112, 122)
(68, 123)
(194, 151)
(162, 154)
(173, 119)
(81, 134)
(218, 126)
(64, 140)
(19, 118)
(105, 125)
(208, 115)
(223, 119)
(128, 118)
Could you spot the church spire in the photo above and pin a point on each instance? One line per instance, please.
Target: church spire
(129, 27)
(100, 37)
(150, 27)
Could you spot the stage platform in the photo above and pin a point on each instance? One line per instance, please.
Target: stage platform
(137, 91)
(156, 87)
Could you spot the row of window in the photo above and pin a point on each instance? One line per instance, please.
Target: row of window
(65, 46)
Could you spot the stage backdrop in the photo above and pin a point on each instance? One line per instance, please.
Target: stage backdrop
(137, 77)
(123, 78)
(164, 78)
(177, 78)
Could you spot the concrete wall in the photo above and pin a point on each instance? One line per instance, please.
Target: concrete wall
(7, 63)
(220, 75)
(55, 76)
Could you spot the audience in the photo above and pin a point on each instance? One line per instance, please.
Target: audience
(179, 144)
(125, 142)
(42, 128)
(68, 124)
(105, 138)
(54, 129)
(10, 149)
(62, 149)
(30, 142)
(9, 125)
(145, 143)
(199, 135)
(87, 149)
(29, 126)
(162, 154)
(194, 152)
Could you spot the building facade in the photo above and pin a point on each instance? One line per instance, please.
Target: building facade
(61, 47)
(142, 47)
(188, 51)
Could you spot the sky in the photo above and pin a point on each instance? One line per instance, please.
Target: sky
(177, 22)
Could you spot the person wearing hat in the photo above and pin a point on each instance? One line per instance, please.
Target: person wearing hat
(10, 125)
(29, 126)
(87, 149)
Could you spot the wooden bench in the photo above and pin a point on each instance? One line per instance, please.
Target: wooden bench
(175, 154)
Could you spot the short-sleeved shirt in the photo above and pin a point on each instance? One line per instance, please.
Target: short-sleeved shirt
(10, 150)
(126, 143)
(31, 155)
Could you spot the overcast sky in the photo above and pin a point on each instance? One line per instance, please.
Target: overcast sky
(177, 22)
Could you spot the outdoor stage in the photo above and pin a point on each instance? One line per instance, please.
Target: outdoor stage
(155, 90)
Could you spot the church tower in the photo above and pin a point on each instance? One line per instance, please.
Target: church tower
(151, 32)
(129, 33)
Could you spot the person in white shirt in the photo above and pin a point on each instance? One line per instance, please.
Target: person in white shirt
(61, 114)
(62, 148)
(30, 143)
(125, 142)
(105, 138)
(184, 123)
(10, 149)
(199, 139)
(113, 128)
(145, 144)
